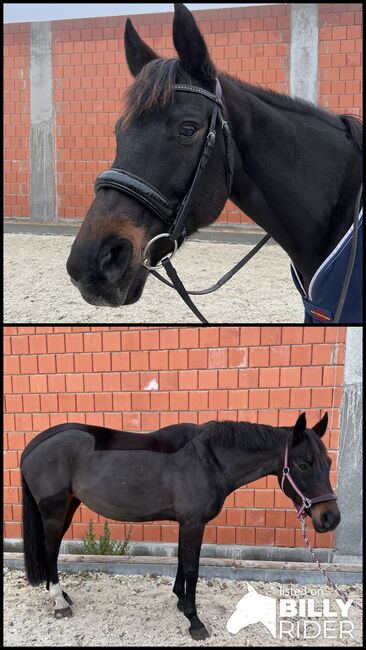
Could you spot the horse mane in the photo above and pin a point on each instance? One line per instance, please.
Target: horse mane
(245, 435)
(256, 437)
(302, 106)
(355, 128)
(153, 87)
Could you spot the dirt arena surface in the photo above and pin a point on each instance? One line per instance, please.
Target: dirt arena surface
(116, 610)
(38, 289)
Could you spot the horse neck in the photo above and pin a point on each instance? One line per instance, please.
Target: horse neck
(296, 184)
(241, 466)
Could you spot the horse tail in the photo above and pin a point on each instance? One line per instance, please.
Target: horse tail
(33, 539)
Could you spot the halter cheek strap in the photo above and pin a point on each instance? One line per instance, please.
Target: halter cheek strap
(306, 502)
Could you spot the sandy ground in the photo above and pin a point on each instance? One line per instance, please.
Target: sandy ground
(141, 611)
(38, 289)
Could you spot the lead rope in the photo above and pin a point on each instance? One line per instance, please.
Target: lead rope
(330, 582)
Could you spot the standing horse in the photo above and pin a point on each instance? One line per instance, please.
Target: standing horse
(294, 168)
(182, 472)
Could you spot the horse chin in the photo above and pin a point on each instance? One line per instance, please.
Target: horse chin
(103, 301)
(103, 295)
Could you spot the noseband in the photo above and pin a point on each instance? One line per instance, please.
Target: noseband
(306, 502)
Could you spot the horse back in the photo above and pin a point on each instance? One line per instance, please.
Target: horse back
(167, 440)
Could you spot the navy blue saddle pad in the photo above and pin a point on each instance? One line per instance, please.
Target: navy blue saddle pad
(321, 300)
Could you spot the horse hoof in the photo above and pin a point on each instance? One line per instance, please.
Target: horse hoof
(67, 598)
(180, 604)
(199, 634)
(63, 613)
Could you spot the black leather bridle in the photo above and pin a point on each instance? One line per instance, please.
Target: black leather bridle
(174, 216)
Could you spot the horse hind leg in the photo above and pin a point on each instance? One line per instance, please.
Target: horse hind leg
(74, 504)
(57, 512)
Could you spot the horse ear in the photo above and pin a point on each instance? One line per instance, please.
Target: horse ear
(299, 428)
(190, 45)
(321, 427)
(138, 53)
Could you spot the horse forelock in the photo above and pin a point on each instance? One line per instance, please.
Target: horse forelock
(153, 88)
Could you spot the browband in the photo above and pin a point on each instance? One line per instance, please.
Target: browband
(201, 91)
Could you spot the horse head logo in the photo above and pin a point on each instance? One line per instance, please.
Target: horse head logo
(253, 608)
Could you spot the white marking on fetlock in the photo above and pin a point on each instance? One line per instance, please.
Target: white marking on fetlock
(57, 597)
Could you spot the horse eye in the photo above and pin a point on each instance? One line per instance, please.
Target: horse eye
(303, 466)
(187, 130)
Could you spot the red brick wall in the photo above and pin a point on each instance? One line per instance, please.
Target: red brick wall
(17, 171)
(340, 63)
(90, 73)
(101, 375)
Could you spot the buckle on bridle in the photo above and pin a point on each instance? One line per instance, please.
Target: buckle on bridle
(286, 470)
(211, 138)
(169, 256)
(307, 502)
(207, 149)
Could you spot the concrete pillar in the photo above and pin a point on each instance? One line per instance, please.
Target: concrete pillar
(349, 532)
(42, 124)
(304, 51)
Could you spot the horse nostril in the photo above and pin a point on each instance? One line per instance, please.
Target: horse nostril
(114, 259)
(329, 520)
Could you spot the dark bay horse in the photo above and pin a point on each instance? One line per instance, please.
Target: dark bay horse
(182, 473)
(294, 168)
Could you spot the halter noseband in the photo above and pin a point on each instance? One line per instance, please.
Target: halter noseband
(306, 502)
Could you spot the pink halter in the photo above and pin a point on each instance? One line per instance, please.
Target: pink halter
(306, 502)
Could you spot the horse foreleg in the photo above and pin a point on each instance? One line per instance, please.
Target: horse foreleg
(191, 538)
(179, 584)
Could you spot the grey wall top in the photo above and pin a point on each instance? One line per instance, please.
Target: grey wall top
(24, 13)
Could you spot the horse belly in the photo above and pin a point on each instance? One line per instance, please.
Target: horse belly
(128, 488)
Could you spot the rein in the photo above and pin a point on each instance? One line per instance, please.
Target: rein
(307, 503)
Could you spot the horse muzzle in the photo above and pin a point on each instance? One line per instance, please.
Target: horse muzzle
(325, 516)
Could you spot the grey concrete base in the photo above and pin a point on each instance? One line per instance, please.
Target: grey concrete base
(283, 572)
(217, 551)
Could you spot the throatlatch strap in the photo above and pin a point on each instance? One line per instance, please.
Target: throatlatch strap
(179, 286)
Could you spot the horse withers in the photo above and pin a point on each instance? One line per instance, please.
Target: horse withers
(182, 472)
